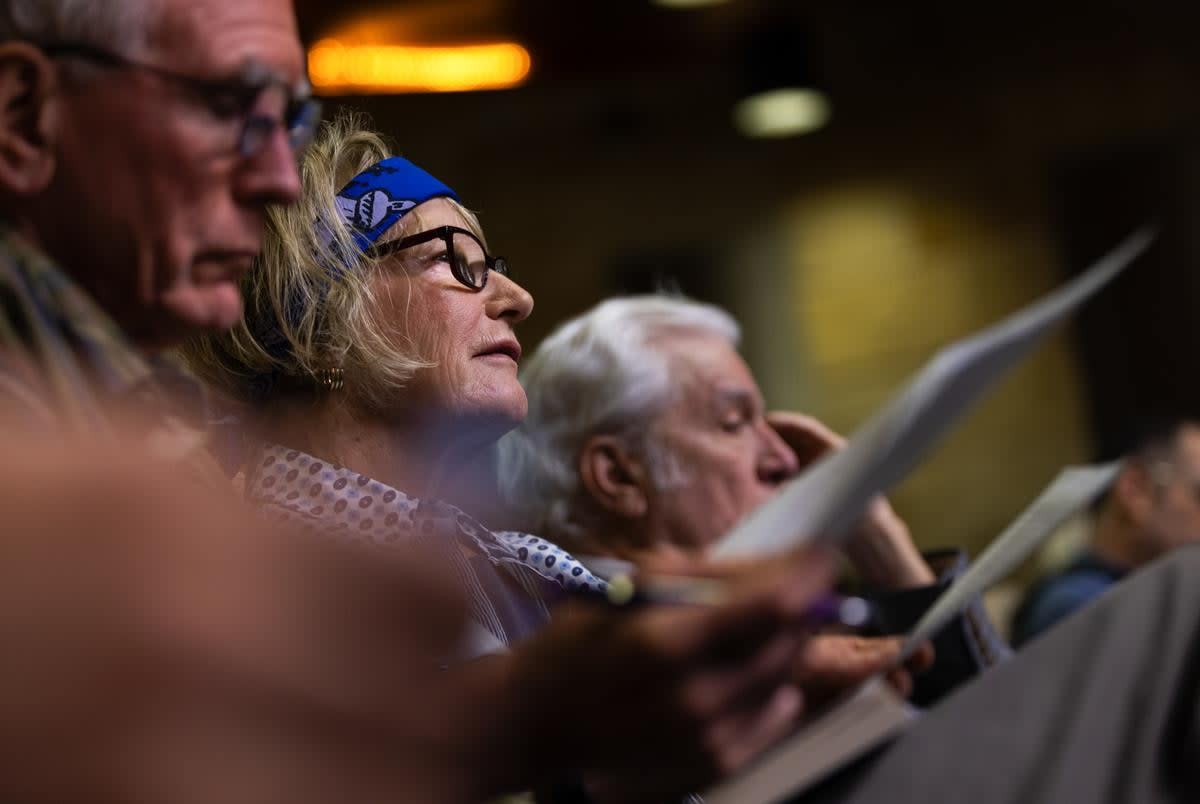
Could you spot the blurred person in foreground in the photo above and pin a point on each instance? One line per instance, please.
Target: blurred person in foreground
(378, 364)
(148, 626)
(1152, 508)
(648, 439)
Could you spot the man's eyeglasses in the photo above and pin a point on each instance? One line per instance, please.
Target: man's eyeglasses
(258, 99)
(469, 262)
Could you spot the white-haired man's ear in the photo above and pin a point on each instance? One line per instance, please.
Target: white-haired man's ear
(613, 478)
(27, 115)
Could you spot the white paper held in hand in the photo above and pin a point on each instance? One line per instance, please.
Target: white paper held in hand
(824, 502)
(1073, 489)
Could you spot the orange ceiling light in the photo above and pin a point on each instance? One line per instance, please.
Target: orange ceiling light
(343, 68)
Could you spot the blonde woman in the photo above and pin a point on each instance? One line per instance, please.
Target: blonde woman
(379, 355)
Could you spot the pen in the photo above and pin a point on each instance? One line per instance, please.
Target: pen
(830, 609)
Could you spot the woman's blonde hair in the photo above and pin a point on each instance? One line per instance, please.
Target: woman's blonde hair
(309, 300)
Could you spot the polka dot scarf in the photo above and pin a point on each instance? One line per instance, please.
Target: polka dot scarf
(297, 487)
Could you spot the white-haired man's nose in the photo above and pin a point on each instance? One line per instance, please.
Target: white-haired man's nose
(778, 462)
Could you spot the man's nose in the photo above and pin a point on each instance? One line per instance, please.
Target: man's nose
(271, 174)
(778, 462)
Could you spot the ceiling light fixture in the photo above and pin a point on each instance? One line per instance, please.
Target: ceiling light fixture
(688, 3)
(785, 112)
(780, 94)
(337, 68)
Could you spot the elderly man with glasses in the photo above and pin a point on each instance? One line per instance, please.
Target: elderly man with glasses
(141, 145)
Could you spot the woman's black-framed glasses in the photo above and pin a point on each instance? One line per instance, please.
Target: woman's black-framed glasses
(469, 261)
(260, 100)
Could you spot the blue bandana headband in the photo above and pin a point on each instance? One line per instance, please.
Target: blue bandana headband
(384, 193)
(369, 205)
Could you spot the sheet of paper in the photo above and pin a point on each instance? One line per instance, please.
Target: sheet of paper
(1073, 489)
(824, 502)
(874, 713)
(836, 737)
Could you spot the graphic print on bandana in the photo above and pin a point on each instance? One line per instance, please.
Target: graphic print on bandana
(381, 195)
(372, 210)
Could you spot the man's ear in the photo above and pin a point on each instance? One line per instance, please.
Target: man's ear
(26, 119)
(613, 478)
(1136, 491)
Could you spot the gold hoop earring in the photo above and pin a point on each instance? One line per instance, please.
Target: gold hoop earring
(331, 379)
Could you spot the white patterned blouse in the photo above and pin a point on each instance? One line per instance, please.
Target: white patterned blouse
(511, 578)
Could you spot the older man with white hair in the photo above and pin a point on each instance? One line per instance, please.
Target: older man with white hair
(648, 439)
(647, 436)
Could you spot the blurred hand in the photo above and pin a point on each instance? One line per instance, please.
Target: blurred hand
(666, 699)
(830, 665)
(881, 548)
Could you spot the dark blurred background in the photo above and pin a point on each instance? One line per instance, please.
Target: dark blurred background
(975, 155)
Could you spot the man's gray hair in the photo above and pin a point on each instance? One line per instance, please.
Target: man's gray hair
(599, 373)
(123, 25)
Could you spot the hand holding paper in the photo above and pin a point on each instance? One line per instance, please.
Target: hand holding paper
(879, 545)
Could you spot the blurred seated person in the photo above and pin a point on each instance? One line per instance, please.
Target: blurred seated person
(1153, 507)
(376, 364)
(648, 439)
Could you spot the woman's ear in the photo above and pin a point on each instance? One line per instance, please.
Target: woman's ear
(27, 119)
(613, 478)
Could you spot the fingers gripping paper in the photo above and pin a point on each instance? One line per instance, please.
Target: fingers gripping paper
(822, 503)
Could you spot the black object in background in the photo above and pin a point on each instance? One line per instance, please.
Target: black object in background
(1139, 340)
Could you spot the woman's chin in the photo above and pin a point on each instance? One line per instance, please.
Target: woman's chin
(498, 415)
